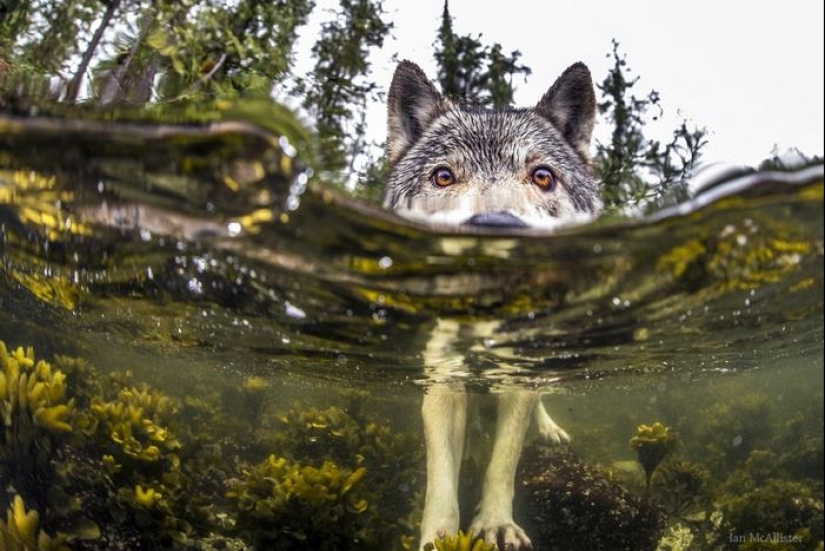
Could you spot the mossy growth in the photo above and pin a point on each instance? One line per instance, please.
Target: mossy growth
(131, 436)
(135, 423)
(97, 460)
(38, 416)
(353, 437)
(564, 503)
(653, 443)
(286, 506)
(111, 463)
(730, 430)
(740, 259)
(463, 541)
(21, 531)
(683, 488)
(776, 507)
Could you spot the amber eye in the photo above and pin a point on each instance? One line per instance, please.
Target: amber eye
(544, 178)
(442, 177)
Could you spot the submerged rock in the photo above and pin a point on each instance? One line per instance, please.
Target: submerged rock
(565, 504)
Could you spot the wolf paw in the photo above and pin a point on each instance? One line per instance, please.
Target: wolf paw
(438, 522)
(508, 535)
(548, 429)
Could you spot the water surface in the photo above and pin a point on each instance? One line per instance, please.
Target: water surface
(209, 262)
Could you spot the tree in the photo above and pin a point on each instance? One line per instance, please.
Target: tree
(633, 168)
(141, 51)
(74, 86)
(470, 72)
(337, 92)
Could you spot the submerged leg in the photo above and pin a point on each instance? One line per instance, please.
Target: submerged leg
(495, 512)
(444, 412)
(548, 429)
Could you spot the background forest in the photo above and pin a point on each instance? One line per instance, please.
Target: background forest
(136, 52)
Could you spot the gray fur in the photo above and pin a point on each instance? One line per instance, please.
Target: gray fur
(492, 153)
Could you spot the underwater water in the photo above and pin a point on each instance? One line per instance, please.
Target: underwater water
(226, 354)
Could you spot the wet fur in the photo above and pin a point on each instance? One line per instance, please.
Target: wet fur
(491, 154)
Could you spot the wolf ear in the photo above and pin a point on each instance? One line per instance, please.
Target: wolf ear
(413, 104)
(570, 104)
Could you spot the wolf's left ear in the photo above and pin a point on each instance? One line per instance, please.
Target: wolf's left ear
(413, 104)
(570, 104)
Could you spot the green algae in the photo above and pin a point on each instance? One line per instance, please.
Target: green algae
(462, 541)
(124, 465)
(653, 443)
(21, 531)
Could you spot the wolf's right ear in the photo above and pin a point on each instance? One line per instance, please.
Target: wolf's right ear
(413, 104)
(570, 104)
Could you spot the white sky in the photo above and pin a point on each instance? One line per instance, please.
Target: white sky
(751, 72)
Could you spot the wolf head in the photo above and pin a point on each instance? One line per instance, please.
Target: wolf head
(457, 164)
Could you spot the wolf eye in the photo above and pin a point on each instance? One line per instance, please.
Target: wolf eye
(544, 178)
(442, 177)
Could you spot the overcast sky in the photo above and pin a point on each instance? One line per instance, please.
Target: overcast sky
(751, 72)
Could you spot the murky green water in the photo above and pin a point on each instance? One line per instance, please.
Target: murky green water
(253, 345)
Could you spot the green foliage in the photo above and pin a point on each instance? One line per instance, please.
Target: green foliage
(794, 159)
(21, 531)
(337, 92)
(288, 506)
(773, 507)
(139, 52)
(634, 169)
(109, 463)
(353, 438)
(43, 35)
(460, 542)
(36, 414)
(652, 444)
(471, 72)
(683, 488)
(227, 50)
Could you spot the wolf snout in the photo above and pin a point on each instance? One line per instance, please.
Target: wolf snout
(496, 220)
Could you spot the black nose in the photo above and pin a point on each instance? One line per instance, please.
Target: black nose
(496, 219)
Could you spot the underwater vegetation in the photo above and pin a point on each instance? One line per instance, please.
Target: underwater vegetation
(743, 479)
(21, 531)
(103, 462)
(36, 414)
(565, 504)
(463, 541)
(368, 471)
(95, 458)
(682, 487)
(652, 444)
(92, 462)
(287, 506)
(774, 507)
(760, 251)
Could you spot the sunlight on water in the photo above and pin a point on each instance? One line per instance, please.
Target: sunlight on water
(210, 263)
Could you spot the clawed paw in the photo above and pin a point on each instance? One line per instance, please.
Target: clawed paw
(507, 535)
(548, 429)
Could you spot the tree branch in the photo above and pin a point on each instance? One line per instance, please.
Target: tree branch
(74, 86)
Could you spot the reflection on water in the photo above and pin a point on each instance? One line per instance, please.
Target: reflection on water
(266, 338)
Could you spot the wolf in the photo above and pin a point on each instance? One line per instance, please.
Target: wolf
(461, 165)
